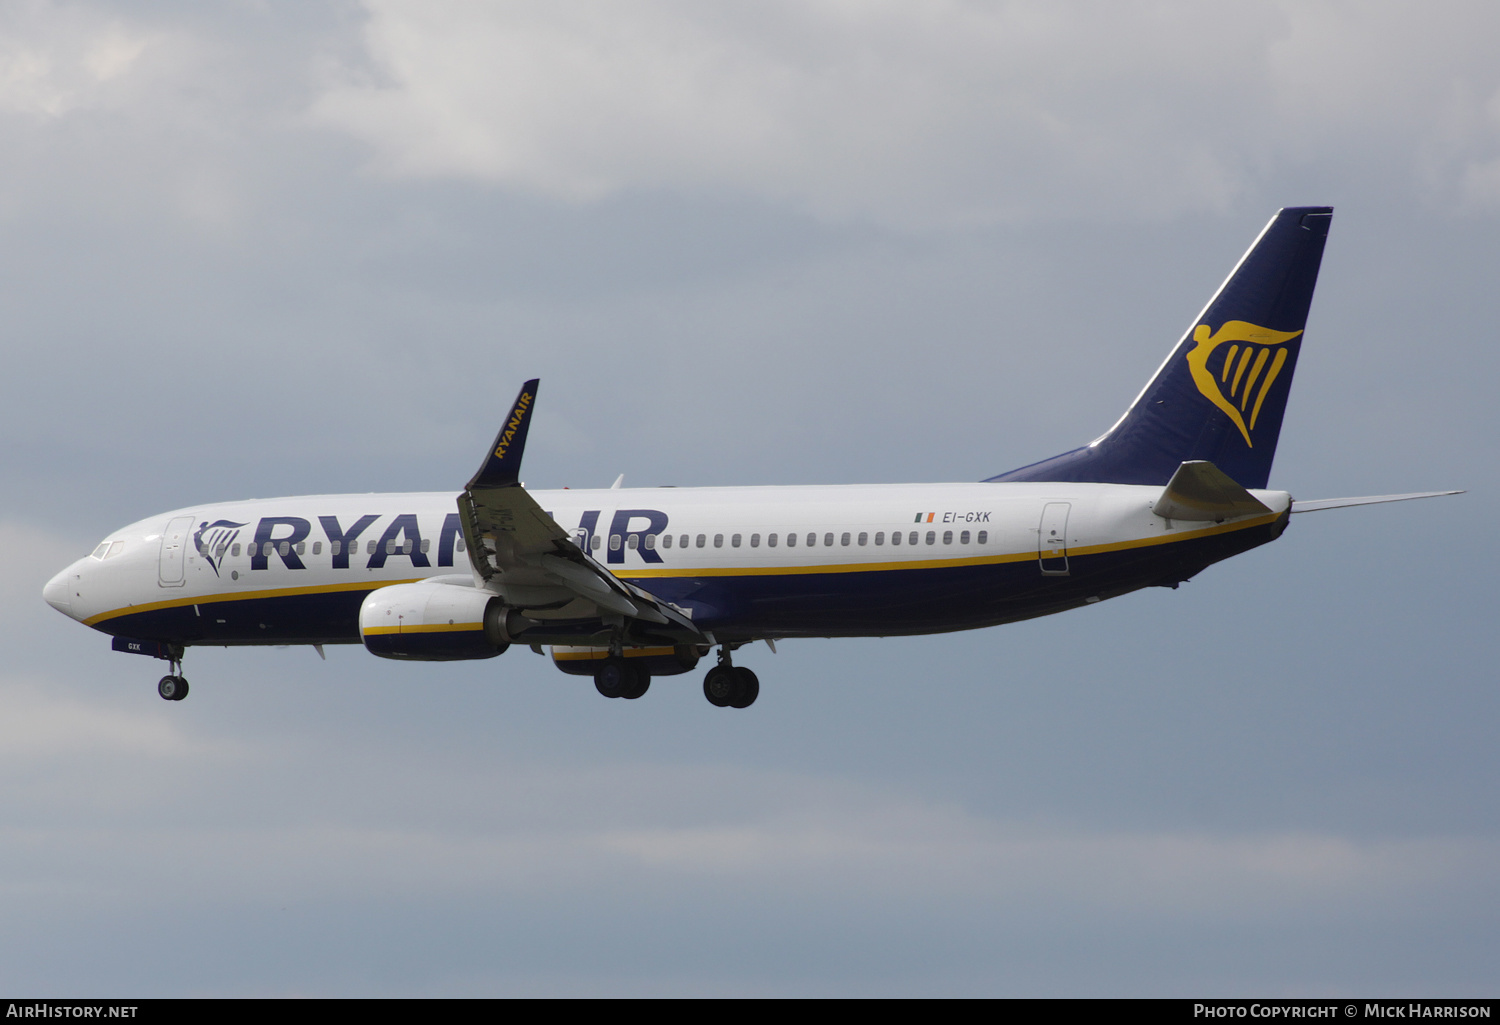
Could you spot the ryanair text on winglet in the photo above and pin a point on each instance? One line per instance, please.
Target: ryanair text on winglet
(516, 416)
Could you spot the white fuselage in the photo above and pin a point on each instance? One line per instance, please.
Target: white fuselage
(752, 559)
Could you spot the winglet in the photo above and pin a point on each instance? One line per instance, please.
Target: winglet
(1199, 490)
(502, 466)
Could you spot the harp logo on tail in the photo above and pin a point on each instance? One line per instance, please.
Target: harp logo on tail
(1239, 381)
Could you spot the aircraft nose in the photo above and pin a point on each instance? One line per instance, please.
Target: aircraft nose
(58, 592)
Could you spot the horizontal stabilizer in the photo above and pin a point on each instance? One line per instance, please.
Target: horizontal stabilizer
(1320, 504)
(1199, 490)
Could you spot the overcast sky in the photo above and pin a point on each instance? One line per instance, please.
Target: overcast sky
(259, 248)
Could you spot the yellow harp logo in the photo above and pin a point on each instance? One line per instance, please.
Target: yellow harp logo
(1243, 366)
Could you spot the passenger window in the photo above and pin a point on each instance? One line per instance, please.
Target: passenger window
(947, 537)
(718, 540)
(864, 538)
(963, 538)
(594, 542)
(633, 542)
(286, 548)
(235, 550)
(406, 549)
(650, 542)
(666, 540)
(334, 547)
(880, 537)
(912, 538)
(702, 540)
(791, 540)
(984, 537)
(771, 541)
(460, 546)
(425, 542)
(219, 552)
(895, 537)
(390, 547)
(734, 542)
(932, 537)
(318, 548)
(843, 540)
(754, 540)
(370, 548)
(301, 547)
(828, 541)
(614, 542)
(812, 539)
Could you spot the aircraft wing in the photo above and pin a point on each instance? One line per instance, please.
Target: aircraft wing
(520, 552)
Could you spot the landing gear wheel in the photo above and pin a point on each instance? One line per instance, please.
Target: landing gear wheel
(746, 688)
(640, 682)
(718, 686)
(615, 679)
(172, 688)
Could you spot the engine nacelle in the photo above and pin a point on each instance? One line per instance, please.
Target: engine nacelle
(433, 621)
(662, 661)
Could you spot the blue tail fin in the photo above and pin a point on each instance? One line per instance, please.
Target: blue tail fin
(1221, 393)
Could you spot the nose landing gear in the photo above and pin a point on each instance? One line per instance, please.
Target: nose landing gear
(173, 687)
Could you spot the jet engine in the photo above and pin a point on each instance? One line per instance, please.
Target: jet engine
(434, 621)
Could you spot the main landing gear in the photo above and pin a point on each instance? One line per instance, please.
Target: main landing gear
(725, 686)
(173, 687)
(617, 678)
(730, 686)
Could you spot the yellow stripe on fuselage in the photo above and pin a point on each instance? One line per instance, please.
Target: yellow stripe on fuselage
(275, 592)
(980, 560)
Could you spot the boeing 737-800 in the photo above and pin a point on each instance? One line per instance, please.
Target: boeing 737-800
(628, 584)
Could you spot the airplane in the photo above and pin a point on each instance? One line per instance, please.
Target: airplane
(627, 584)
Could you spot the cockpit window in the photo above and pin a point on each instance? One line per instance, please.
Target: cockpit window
(98, 553)
(114, 549)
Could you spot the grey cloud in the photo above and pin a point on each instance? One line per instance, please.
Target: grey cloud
(946, 114)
